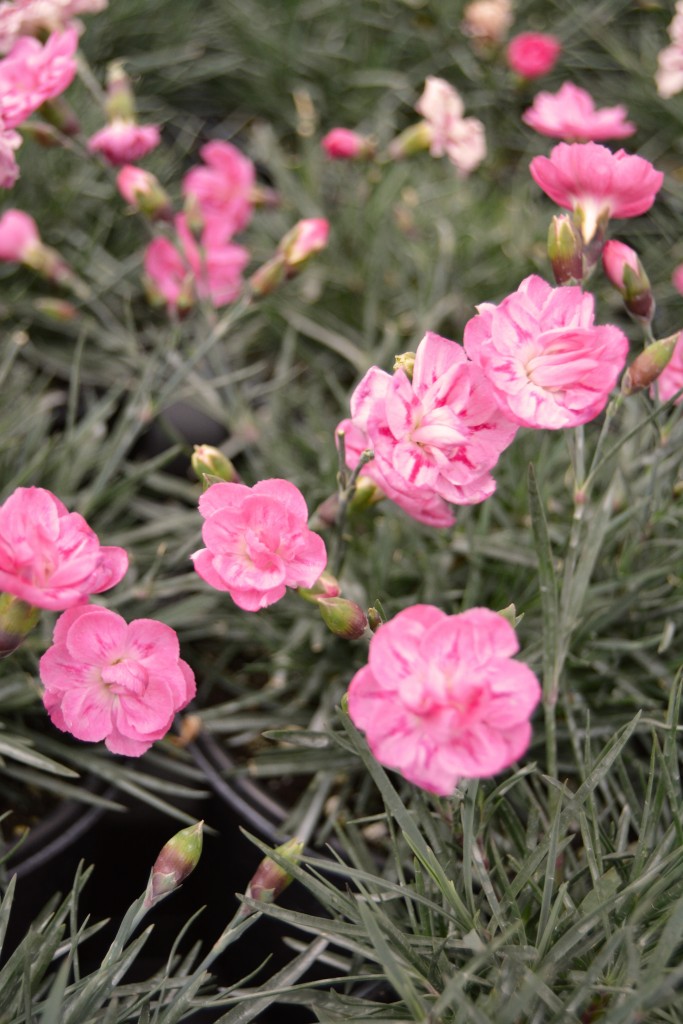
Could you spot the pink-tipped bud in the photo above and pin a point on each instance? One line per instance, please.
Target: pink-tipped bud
(565, 250)
(405, 362)
(270, 880)
(60, 310)
(325, 586)
(342, 617)
(120, 101)
(20, 242)
(17, 619)
(211, 466)
(143, 191)
(627, 274)
(268, 277)
(647, 366)
(304, 240)
(176, 860)
(415, 139)
(345, 144)
(61, 115)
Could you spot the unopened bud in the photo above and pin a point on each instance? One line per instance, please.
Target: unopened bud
(647, 366)
(414, 139)
(120, 101)
(59, 113)
(405, 362)
(627, 274)
(17, 619)
(262, 196)
(268, 277)
(270, 880)
(565, 250)
(346, 144)
(60, 310)
(374, 619)
(176, 860)
(144, 192)
(212, 466)
(304, 240)
(342, 617)
(365, 495)
(325, 586)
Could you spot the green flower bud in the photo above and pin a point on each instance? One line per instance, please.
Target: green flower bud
(342, 617)
(405, 362)
(647, 366)
(17, 619)
(176, 860)
(212, 466)
(565, 250)
(325, 586)
(270, 880)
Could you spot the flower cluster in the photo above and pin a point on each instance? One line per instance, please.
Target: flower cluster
(34, 17)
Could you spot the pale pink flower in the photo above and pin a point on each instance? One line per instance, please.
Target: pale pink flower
(9, 169)
(670, 380)
(346, 144)
(123, 141)
(487, 21)
(669, 74)
(548, 365)
(441, 698)
(257, 542)
(532, 54)
(434, 438)
(19, 237)
(222, 190)
(32, 17)
(677, 278)
(596, 183)
(33, 73)
(461, 139)
(109, 680)
(49, 557)
(571, 114)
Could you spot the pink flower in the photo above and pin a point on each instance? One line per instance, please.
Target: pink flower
(677, 278)
(123, 142)
(345, 144)
(32, 74)
(143, 191)
(109, 680)
(596, 183)
(434, 438)
(532, 54)
(461, 139)
(257, 542)
(548, 365)
(304, 240)
(222, 190)
(570, 114)
(50, 557)
(213, 272)
(19, 237)
(669, 74)
(627, 274)
(31, 17)
(670, 380)
(9, 170)
(441, 698)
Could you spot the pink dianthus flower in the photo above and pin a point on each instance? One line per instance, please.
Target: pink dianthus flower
(441, 697)
(434, 437)
(548, 365)
(50, 557)
(461, 139)
(532, 54)
(109, 680)
(222, 189)
(19, 237)
(257, 542)
(596, 183)
(570, 114)
(33, 73)
(123, 141)
(31, 17)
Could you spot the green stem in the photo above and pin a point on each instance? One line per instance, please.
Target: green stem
(347, 481)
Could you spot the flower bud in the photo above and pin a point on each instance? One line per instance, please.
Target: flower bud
(270, 880)
(120, 101)
(565, 250)
(176, 860)
(61, 115)
(325, 586)
(17, 619)
(212, 466)
(306, 238)
(342, 617)
(374, 619)
(143, 191)
(60, 310)
(416, 138)
(405, 362)
(647, 366)
(626, 272)
(487, 21)
(268, 277)
(365, 495)
(345, 144)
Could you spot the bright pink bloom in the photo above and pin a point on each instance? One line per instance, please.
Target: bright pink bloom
(677, 278)
(596, 183)
(532, 54)
(32, 74)
(570, 114)
(257, 542)
(32, 17)
(109, 680)
(222, 190)
(213, 272)
(123, 142)
(670, 380)
(345, 144)
(49, 557)
(461, 139)
(549, 366)
(19, 237)
(434, 438)
(441, 697)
